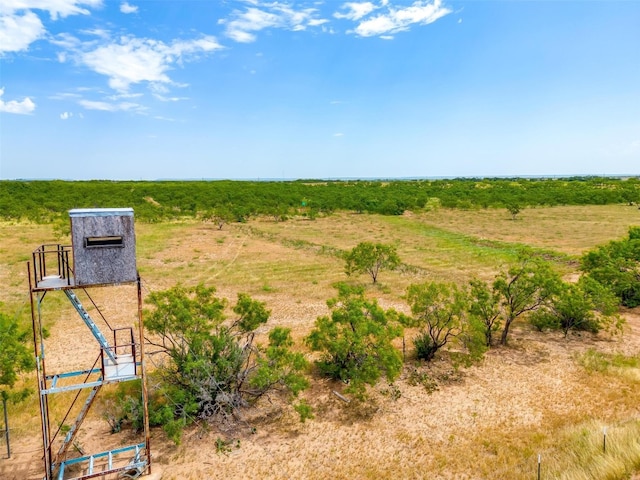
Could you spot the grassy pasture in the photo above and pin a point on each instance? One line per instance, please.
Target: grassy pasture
(541, 395)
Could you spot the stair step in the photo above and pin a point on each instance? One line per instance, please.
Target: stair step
(124, 366)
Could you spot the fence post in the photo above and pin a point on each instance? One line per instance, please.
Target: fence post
(604, 439)
(6, 425)
(539, 459)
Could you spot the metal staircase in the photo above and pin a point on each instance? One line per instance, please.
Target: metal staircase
(106, 348)
(117, 361)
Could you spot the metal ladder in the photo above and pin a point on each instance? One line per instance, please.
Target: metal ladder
(75, 301)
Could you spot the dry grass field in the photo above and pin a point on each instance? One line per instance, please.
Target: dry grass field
(542, 397)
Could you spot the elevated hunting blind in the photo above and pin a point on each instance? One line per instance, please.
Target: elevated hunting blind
(102, 254)
(104, 246)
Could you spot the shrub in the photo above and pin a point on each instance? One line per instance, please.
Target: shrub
(355, 341)
(212, 366)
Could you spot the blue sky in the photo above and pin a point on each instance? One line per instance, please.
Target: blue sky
(152, 89)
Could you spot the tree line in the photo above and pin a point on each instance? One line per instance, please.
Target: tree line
(226, 200)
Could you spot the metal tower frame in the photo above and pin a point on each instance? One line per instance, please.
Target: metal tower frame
(120, 361)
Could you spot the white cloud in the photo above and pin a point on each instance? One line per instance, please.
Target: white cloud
(67, 41)
(338, 134)
(158, 88)
(422, 12)
(131, 61)
(17, 32)
(328, 30)
(162, 98)
(134, 60)
(251, 21)
(65, 96)
(66, 115)
(55, 8)
(20, 26)
(203, 44)
(244, 24)
(110, 107)
(376, 26)
(126, 8)
(97, 32)
(160, 91)
(124, 95)
(355, 11)
(317, 22)
(24, 107)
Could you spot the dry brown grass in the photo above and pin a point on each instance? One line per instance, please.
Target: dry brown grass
(489, 421)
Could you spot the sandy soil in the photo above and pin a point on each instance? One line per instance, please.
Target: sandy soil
(515, 389)
(524, 392)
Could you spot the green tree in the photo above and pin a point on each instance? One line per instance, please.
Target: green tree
(368, 257)
(514, 209)
(214, 368)
(439, 311)
(583, 306)
(525, 287)
(391, 206)
(221, 215)
(355, 340)
(617, 266)
(484, 308)
(15, 358)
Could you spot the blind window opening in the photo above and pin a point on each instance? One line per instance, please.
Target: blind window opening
(102, 242)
